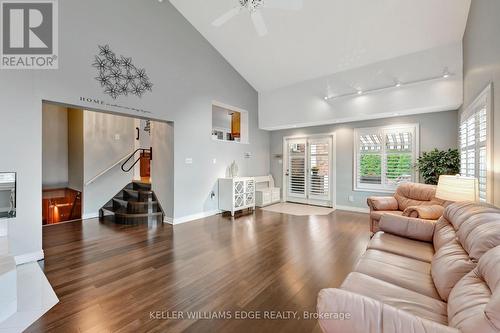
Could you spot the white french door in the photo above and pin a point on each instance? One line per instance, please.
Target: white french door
(308, 170)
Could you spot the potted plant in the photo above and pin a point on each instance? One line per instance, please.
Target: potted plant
(437, 162)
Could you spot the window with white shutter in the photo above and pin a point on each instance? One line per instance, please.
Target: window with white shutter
(385, 156)
(475, 143)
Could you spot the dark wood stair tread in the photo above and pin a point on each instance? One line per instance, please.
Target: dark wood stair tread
(136, 203)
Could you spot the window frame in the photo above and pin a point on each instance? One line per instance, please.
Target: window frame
(382, 130)
(483, 100)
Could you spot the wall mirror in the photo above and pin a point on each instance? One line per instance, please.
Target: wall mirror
(7, 195)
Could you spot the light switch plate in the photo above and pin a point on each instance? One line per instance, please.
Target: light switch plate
(351, 198)
(214, 161)
(189, 160)
(117, 137)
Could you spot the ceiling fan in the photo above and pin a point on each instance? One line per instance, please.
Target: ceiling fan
(254, 8)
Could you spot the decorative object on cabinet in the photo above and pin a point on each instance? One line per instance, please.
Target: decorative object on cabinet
(236, 193)
(233, 170)
(265, 191)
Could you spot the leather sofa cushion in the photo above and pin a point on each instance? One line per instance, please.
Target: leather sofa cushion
(412, 194)
(405, 247)
(480, 233)
(449, 265)
(377, 214)
(474, 302)
(401, 271)
(398, 297)
(459, 212)
(443, 233)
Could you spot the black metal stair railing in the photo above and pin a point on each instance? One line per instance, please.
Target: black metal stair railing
(143, 151)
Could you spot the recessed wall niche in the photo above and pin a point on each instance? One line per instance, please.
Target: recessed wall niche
(229, 123)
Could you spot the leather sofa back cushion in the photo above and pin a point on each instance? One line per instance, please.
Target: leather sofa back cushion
(459, 212)
(477, 227)
(480, 234)
(474, 302)
(449, 264)
(412, 194)
(443, 233)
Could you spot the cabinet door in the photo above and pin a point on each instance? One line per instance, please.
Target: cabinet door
(249, 185)
(249, 199)
(239, 201)
(239, 187)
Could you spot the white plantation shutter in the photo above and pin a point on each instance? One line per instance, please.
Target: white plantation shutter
(475, 144)
(319, 168)
(385, 156)
(297, 163)
(369, 158)
(399, 157)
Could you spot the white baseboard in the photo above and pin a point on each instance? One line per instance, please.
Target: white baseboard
(29, 257)
(169, 220)
(353, 209)
(194, 217)
(90, 216)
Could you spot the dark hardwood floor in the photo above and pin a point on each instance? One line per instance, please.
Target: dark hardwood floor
(109, 278)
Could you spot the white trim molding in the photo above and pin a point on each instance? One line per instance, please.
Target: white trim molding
(353, 209)
(194, 217)
(90, 216)
(168, 220)
(29, 257)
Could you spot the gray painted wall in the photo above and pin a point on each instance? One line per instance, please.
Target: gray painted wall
(482, 66)
(55, 146)
(437, 130)
(75, 149)
(107, 139)
(187, 73)
(162, 165)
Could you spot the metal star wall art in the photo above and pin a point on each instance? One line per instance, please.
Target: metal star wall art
(118, 76)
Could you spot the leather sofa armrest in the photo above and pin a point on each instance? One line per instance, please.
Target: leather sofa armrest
(427, 212)
(382, 203)
(368, 315)
(409, 227)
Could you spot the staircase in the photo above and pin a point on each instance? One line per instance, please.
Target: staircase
(135, 204)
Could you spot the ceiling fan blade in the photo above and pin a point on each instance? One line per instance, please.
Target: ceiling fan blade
(259, 24)
(284, 4)
(226, 17)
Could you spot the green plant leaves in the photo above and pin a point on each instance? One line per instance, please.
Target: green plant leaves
(437, 162)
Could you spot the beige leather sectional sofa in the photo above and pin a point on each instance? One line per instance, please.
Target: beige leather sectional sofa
(420, 276)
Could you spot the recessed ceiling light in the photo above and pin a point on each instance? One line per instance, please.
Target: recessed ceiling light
(326, 98)
(398, 84)
(360, 92)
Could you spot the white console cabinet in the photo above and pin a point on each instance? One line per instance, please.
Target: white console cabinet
(236, 194)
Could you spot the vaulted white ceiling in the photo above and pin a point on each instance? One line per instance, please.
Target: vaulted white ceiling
(325, 36)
